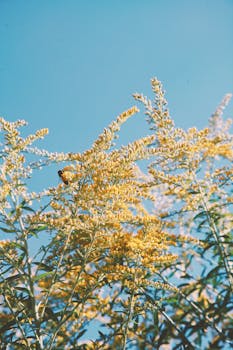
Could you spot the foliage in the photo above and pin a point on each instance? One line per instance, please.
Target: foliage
(145, 257)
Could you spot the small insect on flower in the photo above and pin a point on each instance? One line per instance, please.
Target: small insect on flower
(65, 175)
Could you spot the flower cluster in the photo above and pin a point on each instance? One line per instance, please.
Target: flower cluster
(111, 236)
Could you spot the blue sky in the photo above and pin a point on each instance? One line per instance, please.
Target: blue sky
(72, 65)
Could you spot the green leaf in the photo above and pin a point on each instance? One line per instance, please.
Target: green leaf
(81, 334)
(40, 228)
(20, 246)
(42, 266)
(136, 323)
(172, 300)
(28, 209)
(7, 230)
(102, 335)
(43, 275)
(214, 272)
(14, 277)
(202, 214)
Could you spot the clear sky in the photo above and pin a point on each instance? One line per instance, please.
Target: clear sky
(72, 65)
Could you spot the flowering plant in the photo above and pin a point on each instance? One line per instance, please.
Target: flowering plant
(143, 256)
